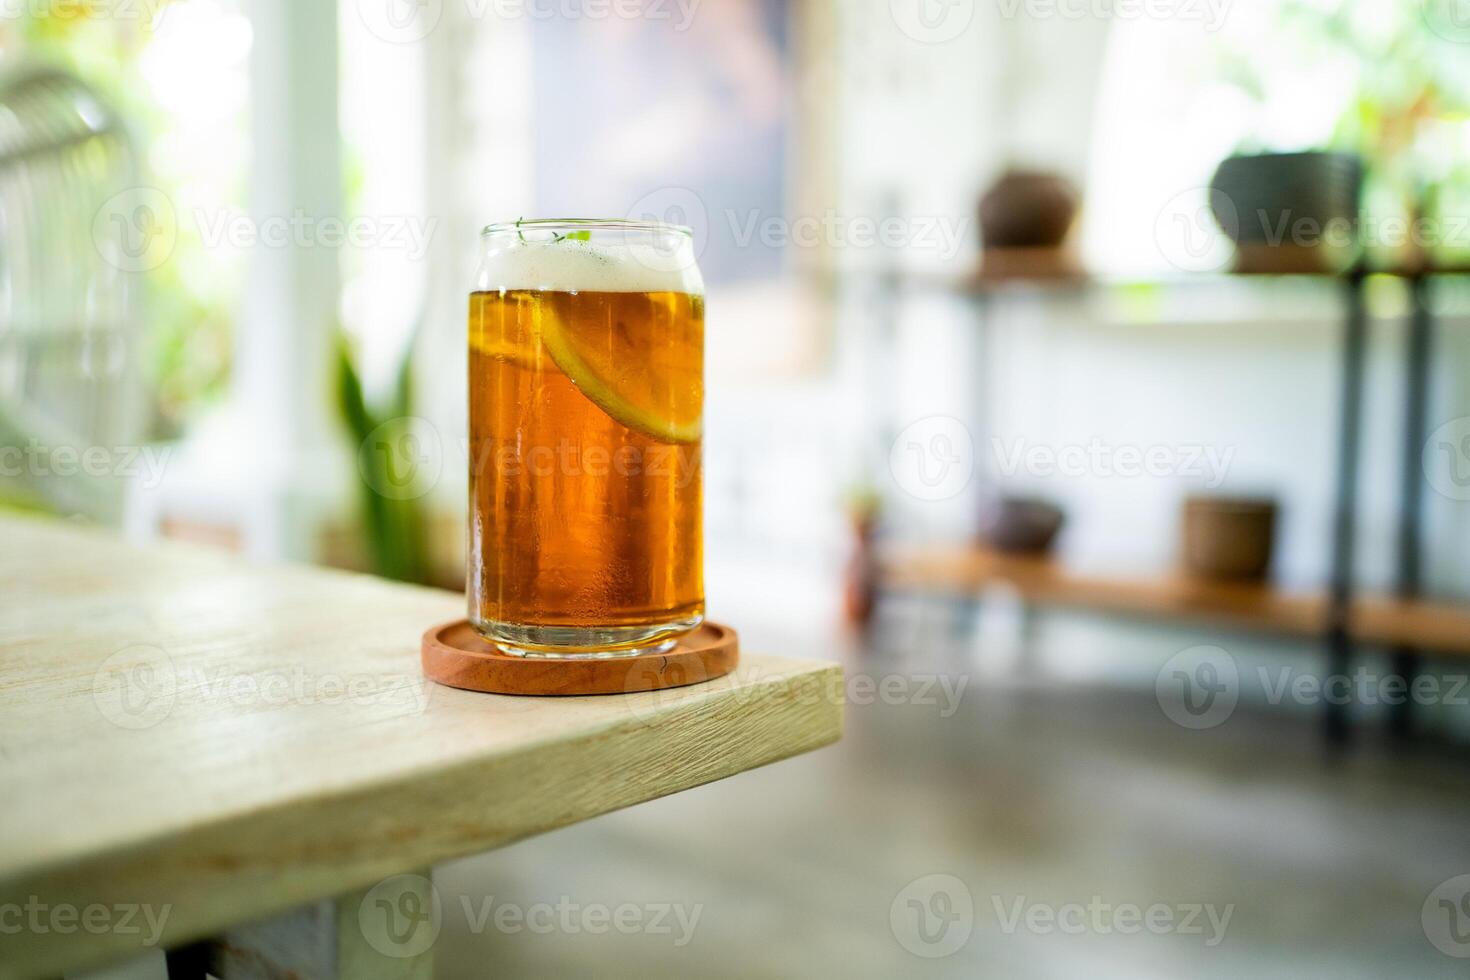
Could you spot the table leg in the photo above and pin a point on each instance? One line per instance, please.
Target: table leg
(386, 932)
(149, 966)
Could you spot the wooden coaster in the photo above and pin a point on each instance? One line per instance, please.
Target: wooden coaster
(455, 655)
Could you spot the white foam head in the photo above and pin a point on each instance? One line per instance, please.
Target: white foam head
(639, 264)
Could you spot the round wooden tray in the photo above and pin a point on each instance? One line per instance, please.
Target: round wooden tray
(455, 655)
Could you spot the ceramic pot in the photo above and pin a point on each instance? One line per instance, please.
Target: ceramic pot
(1228, 537)
(1027, 209)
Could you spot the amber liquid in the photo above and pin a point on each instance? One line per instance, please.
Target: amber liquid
(585, 475)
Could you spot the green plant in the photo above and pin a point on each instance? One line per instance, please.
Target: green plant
(394, 529)
(1370, 79)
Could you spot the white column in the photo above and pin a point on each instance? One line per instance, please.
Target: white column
(282, 385)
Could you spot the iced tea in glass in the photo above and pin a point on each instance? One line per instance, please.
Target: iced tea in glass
(586, 398)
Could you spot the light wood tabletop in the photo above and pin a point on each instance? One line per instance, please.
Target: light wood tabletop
(185, 733)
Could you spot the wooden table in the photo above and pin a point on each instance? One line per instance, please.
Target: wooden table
(209, 743)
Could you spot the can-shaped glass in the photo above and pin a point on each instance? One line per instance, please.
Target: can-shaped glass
(586, 407)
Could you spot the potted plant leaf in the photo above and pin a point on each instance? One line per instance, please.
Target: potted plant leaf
(1369, 161)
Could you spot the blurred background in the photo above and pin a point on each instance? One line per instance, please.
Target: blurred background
(1090, 377)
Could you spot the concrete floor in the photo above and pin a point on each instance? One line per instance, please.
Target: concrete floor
(1037, 798)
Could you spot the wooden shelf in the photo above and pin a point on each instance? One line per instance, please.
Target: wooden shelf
(1016, 269)
(1174, 596)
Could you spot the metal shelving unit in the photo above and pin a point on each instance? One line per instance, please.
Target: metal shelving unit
(1336, 616)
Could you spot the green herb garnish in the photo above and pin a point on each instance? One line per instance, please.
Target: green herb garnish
(576, 236)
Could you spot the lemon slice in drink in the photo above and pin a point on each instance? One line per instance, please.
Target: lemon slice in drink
(637, 356)
(488, 330)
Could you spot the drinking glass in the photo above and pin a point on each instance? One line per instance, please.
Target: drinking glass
(586, 399)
